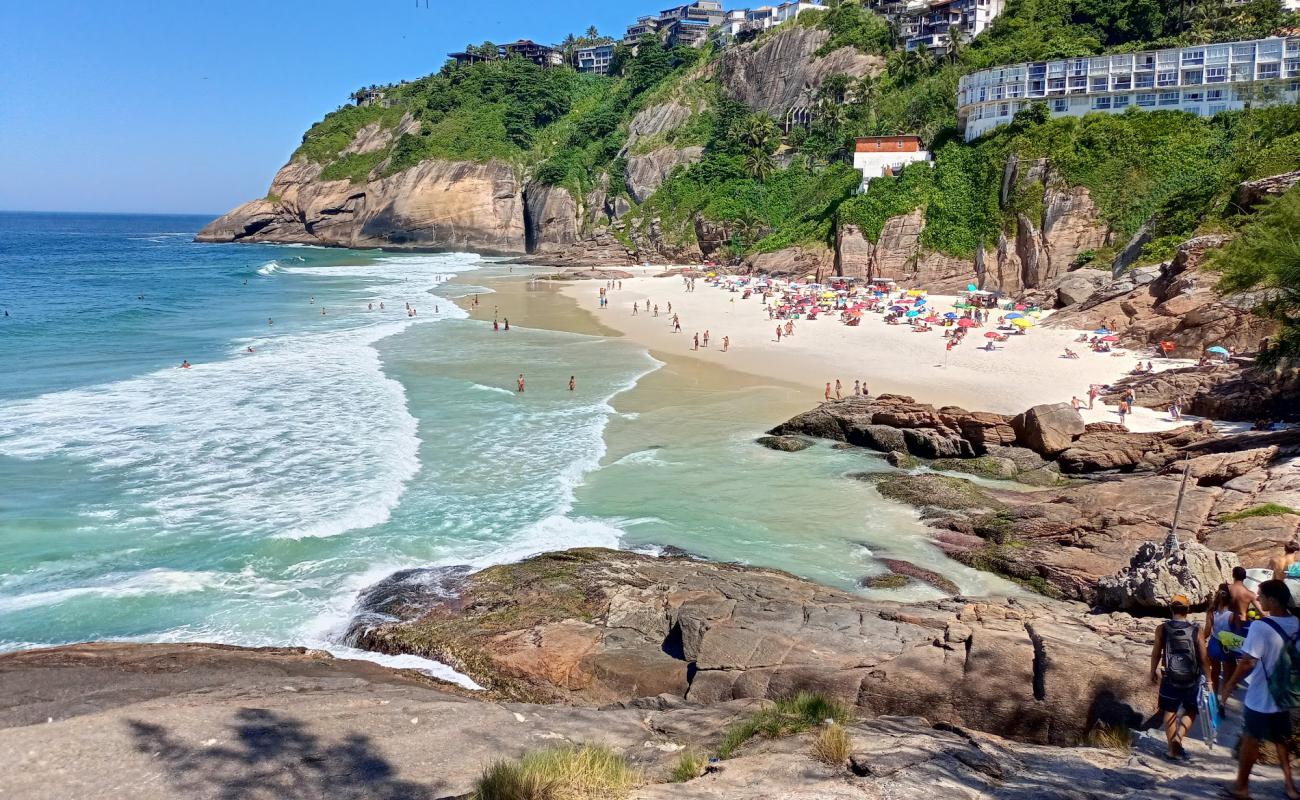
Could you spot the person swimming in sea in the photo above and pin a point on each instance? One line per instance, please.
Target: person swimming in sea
(185, 364)
(520, 383)
(270, 321)
(507, 327)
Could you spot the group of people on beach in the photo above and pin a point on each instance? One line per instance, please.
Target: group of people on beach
(859, 390)
(1247, 635)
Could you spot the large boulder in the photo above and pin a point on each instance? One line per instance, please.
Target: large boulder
(595, 626)
(1048, 429)
(1158, 573)
(1076, 287)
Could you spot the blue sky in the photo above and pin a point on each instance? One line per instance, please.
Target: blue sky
(191, 105)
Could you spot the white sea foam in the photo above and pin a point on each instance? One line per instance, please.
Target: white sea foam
(304, 437)
(148, 582)
(269, 268)
(495, 389)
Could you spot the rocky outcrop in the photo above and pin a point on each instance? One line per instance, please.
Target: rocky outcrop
(599, 249)
(654, 121)
(445, 205)
(598, 626)
(796, 261)
(1250, 194)
(1174, 302)
(1074, 288)
(1072, 225)
(782, 72)
(646, 172)
(1048, 429)
(209, 722)
(853, 252)
(550, 218)
(1157, 574)
(1220, 391)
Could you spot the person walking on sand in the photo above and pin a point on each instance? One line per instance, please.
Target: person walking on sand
(507, 323)
(677, 324)
(706, 337)
(726, 343)
(1178, 660)
(1270, 658)
(697, 341)
(573, 383)
(827, 393)
(634, 308)
(778, 334)
(656, 308)
(520, 383)
(1243, 602)
(1092, 395)
(839, 390)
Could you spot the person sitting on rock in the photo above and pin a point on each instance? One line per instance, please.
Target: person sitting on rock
(1178, 660)
(1285, 566)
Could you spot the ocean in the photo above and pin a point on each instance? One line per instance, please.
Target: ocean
(319, 441)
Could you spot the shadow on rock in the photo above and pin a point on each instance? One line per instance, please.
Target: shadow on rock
(274, 756)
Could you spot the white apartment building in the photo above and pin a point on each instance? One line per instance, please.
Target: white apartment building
(931, 24)
(1201, 79)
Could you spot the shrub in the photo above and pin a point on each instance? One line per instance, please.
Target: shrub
(1109, 738)
(690, 765)
(832, 746)
(589, 772)
(785, 717)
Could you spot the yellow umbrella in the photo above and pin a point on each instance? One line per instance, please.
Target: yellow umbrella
(916, 293)
(1022, 322)
(712, 275)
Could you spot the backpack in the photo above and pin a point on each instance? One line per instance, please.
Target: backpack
(1284, 678)
(1182, 666)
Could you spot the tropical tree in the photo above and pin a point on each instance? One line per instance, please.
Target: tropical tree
(592, 33)
(955, 44)
(760, 164)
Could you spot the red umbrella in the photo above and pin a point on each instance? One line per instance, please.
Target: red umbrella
(992, 335)
(1110, 338)
(1020, 307)
(965, 322)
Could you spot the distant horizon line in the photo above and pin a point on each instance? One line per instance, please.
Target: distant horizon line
(115, 213)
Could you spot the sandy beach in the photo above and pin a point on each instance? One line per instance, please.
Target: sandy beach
(1024, 371)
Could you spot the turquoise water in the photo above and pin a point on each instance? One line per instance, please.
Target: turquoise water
(248, 498)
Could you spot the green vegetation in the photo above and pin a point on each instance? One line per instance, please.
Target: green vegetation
(1106, 737)
(1264, 510)
(851, 25)
(588, 772)
(354, 167)
(1267, 256)
(785, 717)
(690, 765)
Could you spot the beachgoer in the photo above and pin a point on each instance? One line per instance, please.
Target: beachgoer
(634, 308)
(726, 343)
(706, 337)
(839, 390)
(857, 388)
(827, 394)
(1284, 565)
(1076, 403)
(381, 304)
(520, 382)
(1218, 619)
(865, 391)
(270, 321)
(697, 341)
(496, 326)
(507, 323)
(1092, 395)
(656, 308)
(1264, 719)
(1243, 602)
(573, 383)
(778, 333)
(1180, 649)
(677, 325)
(185, 364)
(1122, 410)
(670, 308)
(370, 306)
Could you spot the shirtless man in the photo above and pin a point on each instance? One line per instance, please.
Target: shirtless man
(1290, 555)
(1243, 600)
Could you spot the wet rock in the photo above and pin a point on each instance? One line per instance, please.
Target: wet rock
(902, 459)
(786, 444)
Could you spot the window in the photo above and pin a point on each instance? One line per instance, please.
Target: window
(1214, 95)
(1216, 74)
(1056, 84)
(1217, 109)
(1168, 78)
(1169, 98)
(1060, 105)
(1121, 83)
(1145, 81)
(1037, 88)
(1079, 84)
(1145, 63)
(1194, 56)
(1004, 109)
(1192, 77)
(1242, 72)
(1217, 54)
(1269, 72)
(1193, 97)
(1123, 100)
(1146, 100)
(1293, 68)
(1101, 103)
(1100, 84)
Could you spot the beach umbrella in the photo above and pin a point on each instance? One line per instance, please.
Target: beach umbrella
(1101, 331)
(970, 287)
(916, 292)
(992, 335)
(1216, 350)
(897, 308)
(1021, 322)
(950, 315)
(1110, 338)
(965, 322)
(1014, 315)
(914, 313)
(1021, 306)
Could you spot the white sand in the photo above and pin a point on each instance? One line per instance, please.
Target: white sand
(1024, 371)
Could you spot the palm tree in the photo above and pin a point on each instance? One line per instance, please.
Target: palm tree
(758, 132)
(760, 164)
(592, 33)
(955, 44)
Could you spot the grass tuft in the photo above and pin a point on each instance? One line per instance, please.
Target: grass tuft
(832, 746)
(1109, 738)
(1265, 510)
(589, 772)
(690, 765)
(785, 717)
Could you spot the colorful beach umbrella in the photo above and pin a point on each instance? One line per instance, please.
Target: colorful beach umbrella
(1110, 338)
(965, 322)
(992, 335)
(1021, 306)
(914, 313)
(950, 315)
(1014, 315)
(1217, 350)
(1101, 331)
(1022, 322)
(897, 308)
(970, 287)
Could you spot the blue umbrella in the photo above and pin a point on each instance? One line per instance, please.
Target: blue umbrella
(1216, 349)
(914, 313)
(1101, 331)
(1014, 315)
(920, 301)
(951, 315)
(897, 308)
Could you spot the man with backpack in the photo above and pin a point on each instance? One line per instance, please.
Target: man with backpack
(1271, 658)
(1181, 651)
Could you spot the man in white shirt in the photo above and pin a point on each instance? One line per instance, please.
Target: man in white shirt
(1264, 720)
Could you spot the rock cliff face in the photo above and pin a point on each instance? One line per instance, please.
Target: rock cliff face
(598, 626)
(783, 73)
(551, 218)
(439, 205)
